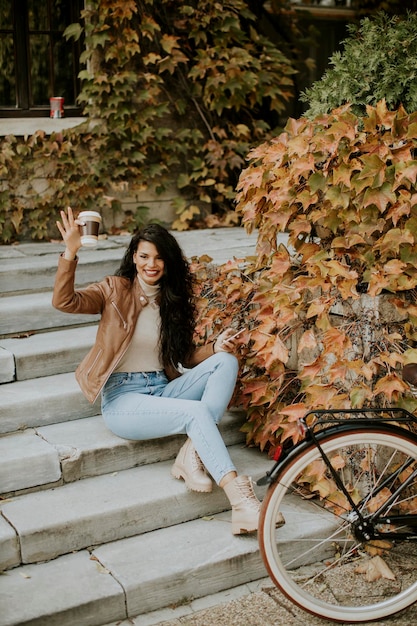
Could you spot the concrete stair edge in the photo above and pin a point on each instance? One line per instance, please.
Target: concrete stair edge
(39, 355)
(131, 577)
(28, 313)
(91, 587)
(106, 508)
(38, 458)
(41, 401)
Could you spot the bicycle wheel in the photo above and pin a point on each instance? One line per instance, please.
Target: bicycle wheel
(320, 559)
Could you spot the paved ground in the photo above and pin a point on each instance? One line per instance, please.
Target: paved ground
(256, 604)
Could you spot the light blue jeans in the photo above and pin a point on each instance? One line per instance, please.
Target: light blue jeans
(146, 405)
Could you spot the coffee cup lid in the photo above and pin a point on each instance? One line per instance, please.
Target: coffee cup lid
(90, 214)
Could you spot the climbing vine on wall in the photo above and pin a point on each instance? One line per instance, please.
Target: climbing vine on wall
(175, 93)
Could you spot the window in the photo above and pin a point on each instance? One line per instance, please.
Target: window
(36, 61)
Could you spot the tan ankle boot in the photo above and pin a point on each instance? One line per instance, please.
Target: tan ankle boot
(189, 467)
(245, 505)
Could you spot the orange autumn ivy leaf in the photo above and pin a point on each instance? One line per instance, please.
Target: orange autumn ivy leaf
(307, 340)
(318, 306)
(389, 385)
(275, 352)
(336, 341)
(294, 412)
(308, 371)
(281, 261)
(359, 395)
(257, 390)
(338, 372)
(313, 472)
(321, 395)
(377, 501)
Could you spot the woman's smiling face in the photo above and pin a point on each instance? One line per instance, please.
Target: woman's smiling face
(148, 261)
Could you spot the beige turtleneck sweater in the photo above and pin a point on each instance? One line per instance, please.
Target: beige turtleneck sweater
(142, 354)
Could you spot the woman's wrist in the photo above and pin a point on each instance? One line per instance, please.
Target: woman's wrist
(70, 255)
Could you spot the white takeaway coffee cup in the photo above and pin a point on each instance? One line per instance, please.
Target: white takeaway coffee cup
(89, 232)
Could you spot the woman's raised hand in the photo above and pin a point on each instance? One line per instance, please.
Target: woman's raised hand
(70, 233)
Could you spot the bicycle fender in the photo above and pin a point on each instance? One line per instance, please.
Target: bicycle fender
(271, 476)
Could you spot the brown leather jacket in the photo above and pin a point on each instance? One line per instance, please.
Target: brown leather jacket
(119, 302)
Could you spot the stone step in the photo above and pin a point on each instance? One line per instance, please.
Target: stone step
(40, 355)
(139, 575)
(7, 366)
(28, 270)
(29, 313)
(41, 401)
(70, 451)
(114, 506)
(134, 576)
(182, 562)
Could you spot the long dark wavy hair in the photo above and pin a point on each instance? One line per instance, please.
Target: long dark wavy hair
(177, 305)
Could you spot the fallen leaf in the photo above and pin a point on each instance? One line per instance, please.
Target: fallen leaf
(374, 569)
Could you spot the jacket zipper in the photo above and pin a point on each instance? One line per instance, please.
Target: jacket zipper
(120, 315)
(94, 362)
(120, 357)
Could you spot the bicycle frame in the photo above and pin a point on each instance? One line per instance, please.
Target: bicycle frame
(326, 422)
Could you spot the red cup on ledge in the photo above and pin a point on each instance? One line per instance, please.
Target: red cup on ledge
(57, 107)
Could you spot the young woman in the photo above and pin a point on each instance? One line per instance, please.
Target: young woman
(154, 381)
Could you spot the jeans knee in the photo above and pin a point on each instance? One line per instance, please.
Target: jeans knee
(228, 360)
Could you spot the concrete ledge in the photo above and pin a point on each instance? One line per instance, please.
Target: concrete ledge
(41, 401)
(41, 355)
(71, 590)
(7, 366)
(26, 461)
(105, 508)
(9, 547)
(87, 448)
(29, 125)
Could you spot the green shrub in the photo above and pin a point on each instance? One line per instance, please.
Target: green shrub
(379, 61)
